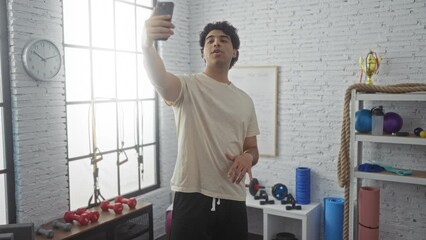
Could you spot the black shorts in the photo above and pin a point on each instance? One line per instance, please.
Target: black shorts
(194, 219)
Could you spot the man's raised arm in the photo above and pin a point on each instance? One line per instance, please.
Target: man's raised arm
(166, 84)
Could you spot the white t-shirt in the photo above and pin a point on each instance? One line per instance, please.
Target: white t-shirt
(212, 118)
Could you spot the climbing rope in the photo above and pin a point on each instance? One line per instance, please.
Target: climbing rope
(343, 163)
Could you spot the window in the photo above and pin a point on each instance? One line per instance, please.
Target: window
(111, 106)
(7, 187)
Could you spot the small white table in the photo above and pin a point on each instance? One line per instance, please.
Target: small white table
(304, 223)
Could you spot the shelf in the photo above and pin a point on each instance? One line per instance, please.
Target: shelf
(304, 223)
(130, 224)
(418, 177)
(278, 209)
(387, 138)
(417, 96)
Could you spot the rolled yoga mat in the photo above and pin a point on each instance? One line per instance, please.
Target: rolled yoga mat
(333, 218)
(303, 185)
(365, 233)
(368, 213)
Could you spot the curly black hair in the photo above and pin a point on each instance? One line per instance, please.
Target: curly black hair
(226, 28)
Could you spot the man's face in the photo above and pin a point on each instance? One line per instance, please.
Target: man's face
(218, 48)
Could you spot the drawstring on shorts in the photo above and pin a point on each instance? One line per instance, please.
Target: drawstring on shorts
(213, 209)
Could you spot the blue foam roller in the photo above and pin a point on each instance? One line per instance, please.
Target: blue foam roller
(333, 218)
(303, 185)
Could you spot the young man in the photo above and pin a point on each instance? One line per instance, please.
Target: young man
(216, 127)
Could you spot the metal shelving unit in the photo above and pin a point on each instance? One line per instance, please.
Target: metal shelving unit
(357, 139)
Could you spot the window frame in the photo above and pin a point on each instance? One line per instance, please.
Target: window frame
(138, 101)
(7, 118)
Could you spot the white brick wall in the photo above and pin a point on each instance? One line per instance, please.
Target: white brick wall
(316, 45)
(38, 112)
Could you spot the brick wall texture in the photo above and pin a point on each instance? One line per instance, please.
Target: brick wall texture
(316, 46)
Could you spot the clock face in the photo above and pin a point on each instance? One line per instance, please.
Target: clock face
(42, 59)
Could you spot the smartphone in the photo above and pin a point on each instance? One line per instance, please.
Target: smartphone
(164, 8)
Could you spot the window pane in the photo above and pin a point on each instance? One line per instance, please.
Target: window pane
(147, 3)
(103, 74)
(127, 123)
(141, 15)
(148, 120)
(102, 23)
(149, 166)
(129, 173)
(125, 26)
(78, 123)
(76, 22)
(81, 183)
(2, 154)
(108, 176)
(126, 75)
(146, 90)
(106, 126)
(77, 66)
(3, 199)
(108, 71)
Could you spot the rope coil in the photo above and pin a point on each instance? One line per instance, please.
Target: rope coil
(343, 163)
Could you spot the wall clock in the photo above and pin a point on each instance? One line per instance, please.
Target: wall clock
(42, 59)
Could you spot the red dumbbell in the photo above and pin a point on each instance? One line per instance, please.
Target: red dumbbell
(93, 216)
(118, 207)
(69, 216)
(80, 211)
(131, 202)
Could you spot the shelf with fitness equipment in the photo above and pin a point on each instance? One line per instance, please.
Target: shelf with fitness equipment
(284, 214)
(415, 96)
(133, 220)
(388, 138)
(351, 154)
(276, 218)
(417, 177)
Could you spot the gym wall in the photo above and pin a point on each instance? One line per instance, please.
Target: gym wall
(317, 45)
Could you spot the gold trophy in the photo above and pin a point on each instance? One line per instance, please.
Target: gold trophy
(369, 66)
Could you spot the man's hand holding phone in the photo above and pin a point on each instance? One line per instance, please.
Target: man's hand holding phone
(159, 26)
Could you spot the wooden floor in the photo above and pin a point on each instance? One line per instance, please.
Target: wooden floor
(250, 237)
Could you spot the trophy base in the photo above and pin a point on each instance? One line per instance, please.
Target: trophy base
(369, 81)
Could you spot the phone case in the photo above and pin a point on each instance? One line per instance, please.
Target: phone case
(164, 8)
